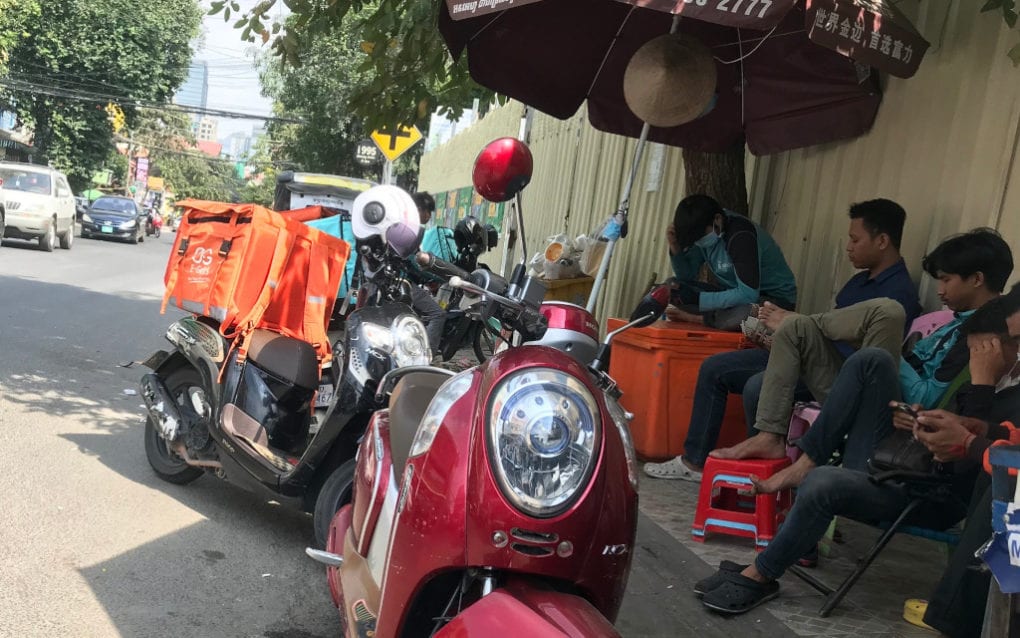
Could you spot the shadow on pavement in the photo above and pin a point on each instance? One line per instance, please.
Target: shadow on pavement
(240, 570)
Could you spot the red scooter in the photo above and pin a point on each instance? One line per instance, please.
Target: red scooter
(498, 501)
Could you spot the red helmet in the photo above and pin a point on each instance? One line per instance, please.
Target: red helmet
(502, 169)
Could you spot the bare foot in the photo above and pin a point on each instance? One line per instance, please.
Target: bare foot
(784, 479)
(772, 315)
(764, 445)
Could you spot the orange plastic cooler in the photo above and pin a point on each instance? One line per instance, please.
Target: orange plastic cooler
(657, 370)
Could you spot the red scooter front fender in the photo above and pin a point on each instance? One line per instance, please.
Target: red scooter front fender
(520, 609)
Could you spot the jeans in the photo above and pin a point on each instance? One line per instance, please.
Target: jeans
(431, 313)
(737, 372)
(858, 409)
(830, 491)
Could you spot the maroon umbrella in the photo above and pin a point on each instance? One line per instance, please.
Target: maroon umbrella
(778, 87)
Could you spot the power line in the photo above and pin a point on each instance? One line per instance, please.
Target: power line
(85, 96)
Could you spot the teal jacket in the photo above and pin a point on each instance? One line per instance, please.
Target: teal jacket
(932, 364)
(746, 262)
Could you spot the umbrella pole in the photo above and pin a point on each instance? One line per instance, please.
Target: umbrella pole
(621, 212)
(620, 216)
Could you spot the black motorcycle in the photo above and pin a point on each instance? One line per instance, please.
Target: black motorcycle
(461, 328)
(269, 423)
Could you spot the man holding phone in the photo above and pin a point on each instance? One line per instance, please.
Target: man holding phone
(991, 401)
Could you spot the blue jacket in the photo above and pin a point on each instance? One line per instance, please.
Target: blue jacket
(746, 262)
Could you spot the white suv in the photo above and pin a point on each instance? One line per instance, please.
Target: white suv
(39, 205)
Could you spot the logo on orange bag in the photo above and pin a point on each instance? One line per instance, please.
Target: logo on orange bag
(201, 261)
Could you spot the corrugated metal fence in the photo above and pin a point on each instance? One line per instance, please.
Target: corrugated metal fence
(943, 145)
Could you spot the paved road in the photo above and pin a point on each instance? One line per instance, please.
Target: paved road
(92, 544)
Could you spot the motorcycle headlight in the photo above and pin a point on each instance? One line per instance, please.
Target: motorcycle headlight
(128, 224)
(378, 337)
(405, 340)
(622, 422)
(85, 218)
(410, 342)
(448, 394)
(544, 431)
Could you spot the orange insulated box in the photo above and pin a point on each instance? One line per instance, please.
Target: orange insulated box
(657, 370)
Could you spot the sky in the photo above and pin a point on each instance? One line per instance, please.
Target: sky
(233, 82)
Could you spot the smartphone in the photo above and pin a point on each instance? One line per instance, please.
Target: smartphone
(906, 409)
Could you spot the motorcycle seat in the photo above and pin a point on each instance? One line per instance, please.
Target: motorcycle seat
(408, 403)
(290, 359)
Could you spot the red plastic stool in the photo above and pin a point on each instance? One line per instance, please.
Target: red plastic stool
(726, 507)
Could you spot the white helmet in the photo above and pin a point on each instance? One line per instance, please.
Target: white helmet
(389, 213)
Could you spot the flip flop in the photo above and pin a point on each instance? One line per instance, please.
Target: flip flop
(739, 594)
(706, 585)
(673, 469)
(913, 612)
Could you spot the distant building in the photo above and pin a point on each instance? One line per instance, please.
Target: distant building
(442, 129)
(195, 90)
(206, 130)
(241, 145)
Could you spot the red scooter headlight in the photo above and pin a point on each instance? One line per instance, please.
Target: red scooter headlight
(544, 429)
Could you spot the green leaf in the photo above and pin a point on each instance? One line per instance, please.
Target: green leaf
(240, 23)
(1014, 54)
(1010, 16)
(226, 15)
(991, 5)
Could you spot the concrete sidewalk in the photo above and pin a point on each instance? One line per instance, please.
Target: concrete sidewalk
(660, 601)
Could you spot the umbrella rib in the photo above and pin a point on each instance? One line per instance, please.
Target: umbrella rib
(759, 40)
(742, 56)
(489, 24)
(609, 50)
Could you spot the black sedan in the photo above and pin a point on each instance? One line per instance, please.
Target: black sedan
(115, 217)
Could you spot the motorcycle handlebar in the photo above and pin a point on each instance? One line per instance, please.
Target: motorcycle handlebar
(437, 266)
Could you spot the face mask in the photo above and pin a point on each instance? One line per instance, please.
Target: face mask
(708, 241)
(1009, 379)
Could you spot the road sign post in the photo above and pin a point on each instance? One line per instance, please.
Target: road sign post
(393, 144)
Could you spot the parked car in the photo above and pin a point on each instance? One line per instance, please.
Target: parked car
(39, 205)
(115, 217)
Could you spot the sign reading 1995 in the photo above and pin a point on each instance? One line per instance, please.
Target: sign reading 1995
(393, 144)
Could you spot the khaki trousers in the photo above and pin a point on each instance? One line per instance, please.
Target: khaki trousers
(803, 348)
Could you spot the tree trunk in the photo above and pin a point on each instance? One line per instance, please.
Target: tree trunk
(719, 175)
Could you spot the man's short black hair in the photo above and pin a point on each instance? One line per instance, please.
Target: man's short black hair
(424, 201)
(692, 215)
(991, 317)
(980, 250)
(881, 216)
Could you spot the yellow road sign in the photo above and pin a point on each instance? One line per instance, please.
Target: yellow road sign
(393, 145)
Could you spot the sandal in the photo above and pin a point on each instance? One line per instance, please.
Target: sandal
(738, 594)
(706, 585)
(673, 469)
(913, 612)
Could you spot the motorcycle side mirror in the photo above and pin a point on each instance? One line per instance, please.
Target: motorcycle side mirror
(601, 361)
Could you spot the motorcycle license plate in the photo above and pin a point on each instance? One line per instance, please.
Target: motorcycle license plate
(107, 229)
(324, 396)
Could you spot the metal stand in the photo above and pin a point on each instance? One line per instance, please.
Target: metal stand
(834, 596)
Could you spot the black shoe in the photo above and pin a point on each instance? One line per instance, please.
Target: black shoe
(706, 585)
